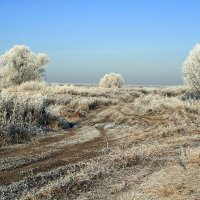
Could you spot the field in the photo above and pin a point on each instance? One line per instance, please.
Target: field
(87, 142)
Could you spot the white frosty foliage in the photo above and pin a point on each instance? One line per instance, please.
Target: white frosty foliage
(191, 68)
(20, 64)
(111, 80)
(32, 86)
(20, 115)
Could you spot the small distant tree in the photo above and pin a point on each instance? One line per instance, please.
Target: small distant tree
(20, 64)
(191, 69)
(111, 80)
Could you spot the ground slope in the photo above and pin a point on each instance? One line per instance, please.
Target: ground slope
(121, 151)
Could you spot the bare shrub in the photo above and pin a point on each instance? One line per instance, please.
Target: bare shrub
(29, 86)
(68, 92)
(111, 80)
(60, 89)
(32, 86)
(155, 104)
(89, 103)
(21, 116)
(191, 69)
(173, 91)
(20, 64)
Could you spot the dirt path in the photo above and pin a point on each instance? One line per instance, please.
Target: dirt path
(61, 149)
(92, 162)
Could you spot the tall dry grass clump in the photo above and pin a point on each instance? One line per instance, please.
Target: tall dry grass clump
(30, 86)
(21, 116)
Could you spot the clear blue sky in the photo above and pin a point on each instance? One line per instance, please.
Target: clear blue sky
(144, 40)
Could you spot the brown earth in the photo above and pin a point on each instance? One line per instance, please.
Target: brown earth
(136, 149)
(67, 154)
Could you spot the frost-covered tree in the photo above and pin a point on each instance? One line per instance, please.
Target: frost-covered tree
(20, 64)
(111, 80)
(191, 69)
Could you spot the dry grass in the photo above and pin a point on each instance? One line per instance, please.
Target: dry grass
(150, 149)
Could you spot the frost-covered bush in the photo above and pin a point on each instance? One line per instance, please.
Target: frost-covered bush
(20, 64)
(191, 69)
(155, 104)
(172, 91)
(89, 103)
(60, 89)
(32, 86)
(111, 80)
(21, 116)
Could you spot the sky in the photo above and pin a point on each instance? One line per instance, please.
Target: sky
(146, 41)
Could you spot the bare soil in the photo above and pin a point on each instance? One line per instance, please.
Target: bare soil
(124, 159)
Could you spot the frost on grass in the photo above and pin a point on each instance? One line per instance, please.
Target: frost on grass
(21, 115)
(152, 128)
(31, 86)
